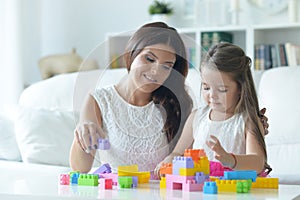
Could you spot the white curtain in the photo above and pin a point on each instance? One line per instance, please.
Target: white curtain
(11, 78)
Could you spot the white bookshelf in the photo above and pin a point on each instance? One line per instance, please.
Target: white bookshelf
(244, 36)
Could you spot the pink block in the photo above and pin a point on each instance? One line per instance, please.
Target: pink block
(191, 185)
(105, 183)
(112, 176)
(175, 182)
(64, 179)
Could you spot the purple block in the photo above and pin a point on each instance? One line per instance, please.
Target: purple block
(200, 177)
(103, 144)
(134, 181)
(181, 162)
(105, 168)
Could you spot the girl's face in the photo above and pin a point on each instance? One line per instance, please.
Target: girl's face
(219, 91)
(152, 66)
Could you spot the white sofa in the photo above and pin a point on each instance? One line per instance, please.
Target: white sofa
(49, 111)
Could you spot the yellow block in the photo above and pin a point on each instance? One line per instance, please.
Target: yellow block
(226, 185)
(262, 182)
(132, 170)
(163, 183)
(128, 168)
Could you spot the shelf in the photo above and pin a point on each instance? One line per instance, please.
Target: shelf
(244, 36)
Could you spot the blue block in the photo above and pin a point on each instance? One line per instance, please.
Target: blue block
(240, 175)
(74, 178)
(210, 188)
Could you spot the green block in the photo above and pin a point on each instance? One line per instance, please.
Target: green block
(242, 186)
(88, 179)
(125, 181)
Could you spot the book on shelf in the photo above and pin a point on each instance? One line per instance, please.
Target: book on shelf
(209, 39)
(191, 56)
(268, 56)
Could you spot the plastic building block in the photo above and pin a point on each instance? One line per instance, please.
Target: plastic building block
(240, 175)
(239, 186)
(105, 168)
(191, 185)
(163, 183)
(103, 144)
(204, 165)
(166, 168)
(226, 185)
(214, 178)
(105, 183)
(125, 181)
(181, 162)
(195, 154)
(112, 176)
(243, 186)
(200, 177)
(265, 183)
(88, 179)
(217, 169)
(186, 183)
(210, 188)
(132, 170)
(64, 179)
(74, 177)
(134, 181)
(128, 168)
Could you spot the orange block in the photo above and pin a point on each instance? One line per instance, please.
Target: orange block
(166, 168)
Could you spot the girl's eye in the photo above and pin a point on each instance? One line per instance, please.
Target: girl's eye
(223, 90)
(149, 59)
(205, 88)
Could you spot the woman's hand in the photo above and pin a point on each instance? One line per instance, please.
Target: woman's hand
(168, 159)
(87, 134)
(220, 154)
(264, 120)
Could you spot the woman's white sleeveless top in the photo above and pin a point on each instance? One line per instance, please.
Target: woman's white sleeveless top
(134, 132)
(230, 132)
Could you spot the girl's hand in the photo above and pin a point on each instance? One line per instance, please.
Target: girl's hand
(264, 120)
(220, 154)
(87, 134)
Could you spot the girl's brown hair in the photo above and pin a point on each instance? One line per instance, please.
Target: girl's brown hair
(172, 95)
(231, 59)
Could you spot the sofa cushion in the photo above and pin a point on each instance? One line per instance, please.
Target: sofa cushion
(67, 91)
(8, 146)
(279, 93)
(45, 136)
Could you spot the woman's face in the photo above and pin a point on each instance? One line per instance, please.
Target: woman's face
(152, 66)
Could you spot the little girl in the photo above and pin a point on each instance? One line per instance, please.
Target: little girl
(228, 128)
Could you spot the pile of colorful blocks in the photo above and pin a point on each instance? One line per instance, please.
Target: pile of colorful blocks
(193, 172)
(127, 177)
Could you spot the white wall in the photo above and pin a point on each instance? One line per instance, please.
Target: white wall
(10, 53)
(56, 26)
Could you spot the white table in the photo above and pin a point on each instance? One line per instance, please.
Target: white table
(20, 183)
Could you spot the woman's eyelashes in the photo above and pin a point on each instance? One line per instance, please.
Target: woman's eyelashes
(153, 60)
(150, 59)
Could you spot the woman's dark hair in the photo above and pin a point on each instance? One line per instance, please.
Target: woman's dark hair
(231, 59)
(172, 95)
